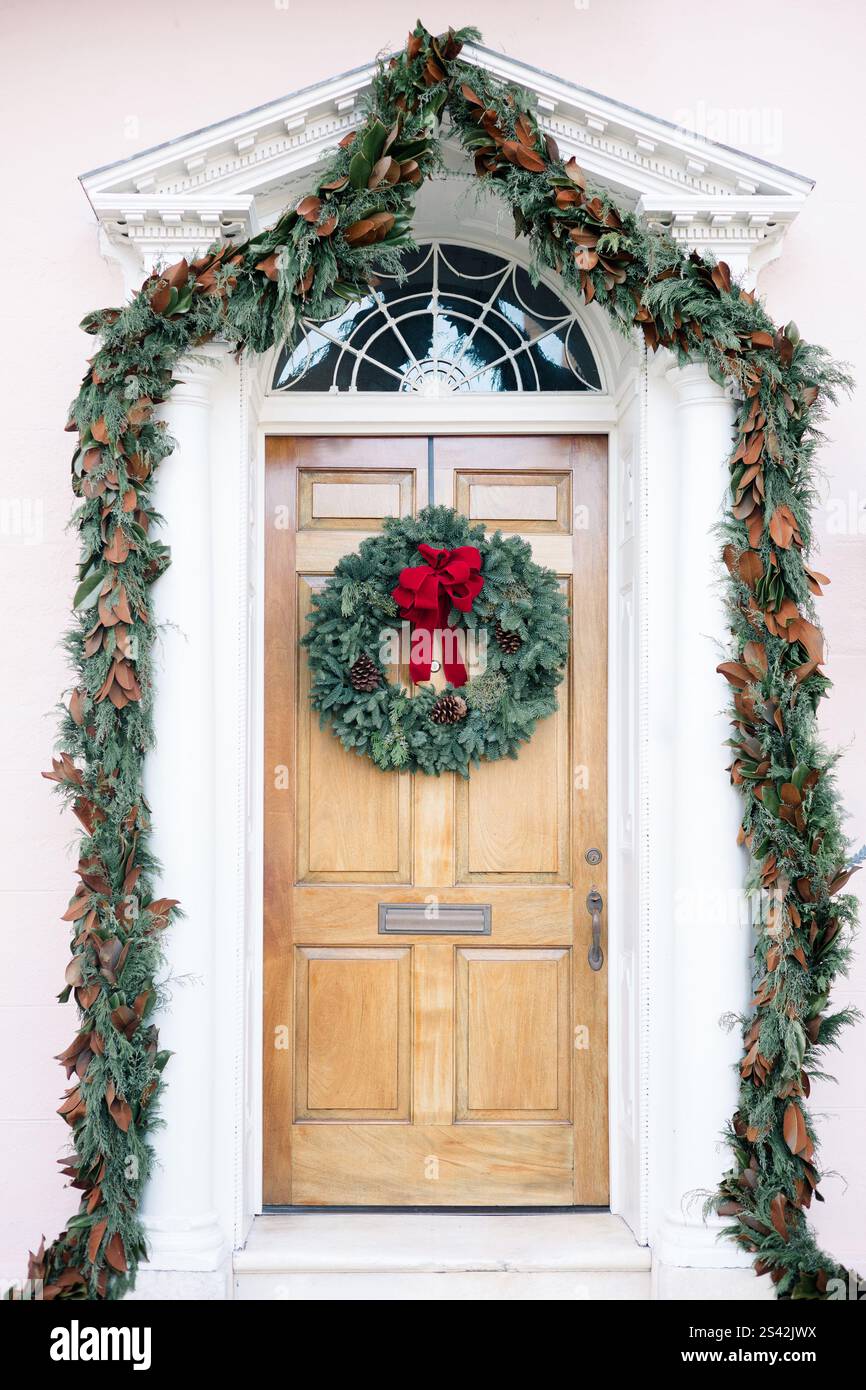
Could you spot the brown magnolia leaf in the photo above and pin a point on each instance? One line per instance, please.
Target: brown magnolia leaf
(755, 657)
(118, 1108)
(750, 567)
(433, 72)
(721, 276)
(115, 1255)
(729, 1208)
(781, 529)
(794, 1128)
(359, 232)
(140, 1002)
(177, 274)
(529, 159)
(777, 1215)
(585, 259)
(841, 879)
(94, 1240)
(159, 910)
(125, 1020)
(761, 339)
(269, 266)
(815, 579)
(117, 550)
(575, 173)
(410, 171)
(379, 172)
(309, 208)
(735, 672)
(74, 973)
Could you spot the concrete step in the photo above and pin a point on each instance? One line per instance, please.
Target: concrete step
(441, 1256)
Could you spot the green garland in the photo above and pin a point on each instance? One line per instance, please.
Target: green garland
(505, 701)
(318, 255)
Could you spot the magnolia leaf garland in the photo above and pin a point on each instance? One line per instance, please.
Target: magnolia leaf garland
(497, 710)
(319, 255)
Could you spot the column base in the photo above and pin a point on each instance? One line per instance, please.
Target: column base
(692, 1260)
(176, 1285)
(722, 1285)
(197, 1246)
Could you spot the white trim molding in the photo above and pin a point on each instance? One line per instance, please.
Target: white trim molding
(231, 178)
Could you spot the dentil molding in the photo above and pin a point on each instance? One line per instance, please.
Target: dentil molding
(227, 180)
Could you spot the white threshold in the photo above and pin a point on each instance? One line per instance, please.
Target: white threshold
(441, 1256)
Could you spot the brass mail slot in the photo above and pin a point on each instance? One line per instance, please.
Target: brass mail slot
(434, 919)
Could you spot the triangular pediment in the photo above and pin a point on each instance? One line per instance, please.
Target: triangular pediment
(230, 178)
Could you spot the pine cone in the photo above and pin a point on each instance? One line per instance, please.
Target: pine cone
(509, 642)
(365, 675)
(449, 709)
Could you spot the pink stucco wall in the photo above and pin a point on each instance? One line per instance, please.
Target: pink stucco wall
(93, 82)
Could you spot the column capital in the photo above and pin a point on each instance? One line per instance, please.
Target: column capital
(195, 374)
(693, 385)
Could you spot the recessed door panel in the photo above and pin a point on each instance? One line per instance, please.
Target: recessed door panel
(353, 824)
(352, 1033)
(513, 1035)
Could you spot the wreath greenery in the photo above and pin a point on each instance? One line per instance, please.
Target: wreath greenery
(318, 255)
(504, 701)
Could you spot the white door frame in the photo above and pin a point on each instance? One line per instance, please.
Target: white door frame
(296, 413)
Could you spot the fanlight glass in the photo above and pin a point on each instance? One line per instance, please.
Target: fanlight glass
(461, 320)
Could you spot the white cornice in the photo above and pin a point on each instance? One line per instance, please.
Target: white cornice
(227, 179)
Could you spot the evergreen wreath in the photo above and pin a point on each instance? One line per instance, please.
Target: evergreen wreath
(503, 703)
(318, 255)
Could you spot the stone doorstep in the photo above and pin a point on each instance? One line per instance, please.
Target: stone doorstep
(441, 1256)
(440, 1242)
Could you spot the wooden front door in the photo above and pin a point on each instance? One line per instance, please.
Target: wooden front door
(434, 1070)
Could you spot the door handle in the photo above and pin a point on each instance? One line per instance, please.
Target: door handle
(594, 904)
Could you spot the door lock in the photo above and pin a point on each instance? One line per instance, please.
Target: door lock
(594, 904)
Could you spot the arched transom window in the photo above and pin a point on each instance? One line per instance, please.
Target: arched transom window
(463, 319)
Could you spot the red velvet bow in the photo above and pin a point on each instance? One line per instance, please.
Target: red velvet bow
(425, 594)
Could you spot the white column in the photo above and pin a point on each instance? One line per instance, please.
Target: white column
(179, 1208)
(701, 946)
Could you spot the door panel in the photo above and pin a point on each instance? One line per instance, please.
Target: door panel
(513, 1035)
(513, 823)
(334, 847)
(440, 1166)
(353, 1015)
(433, 1069)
